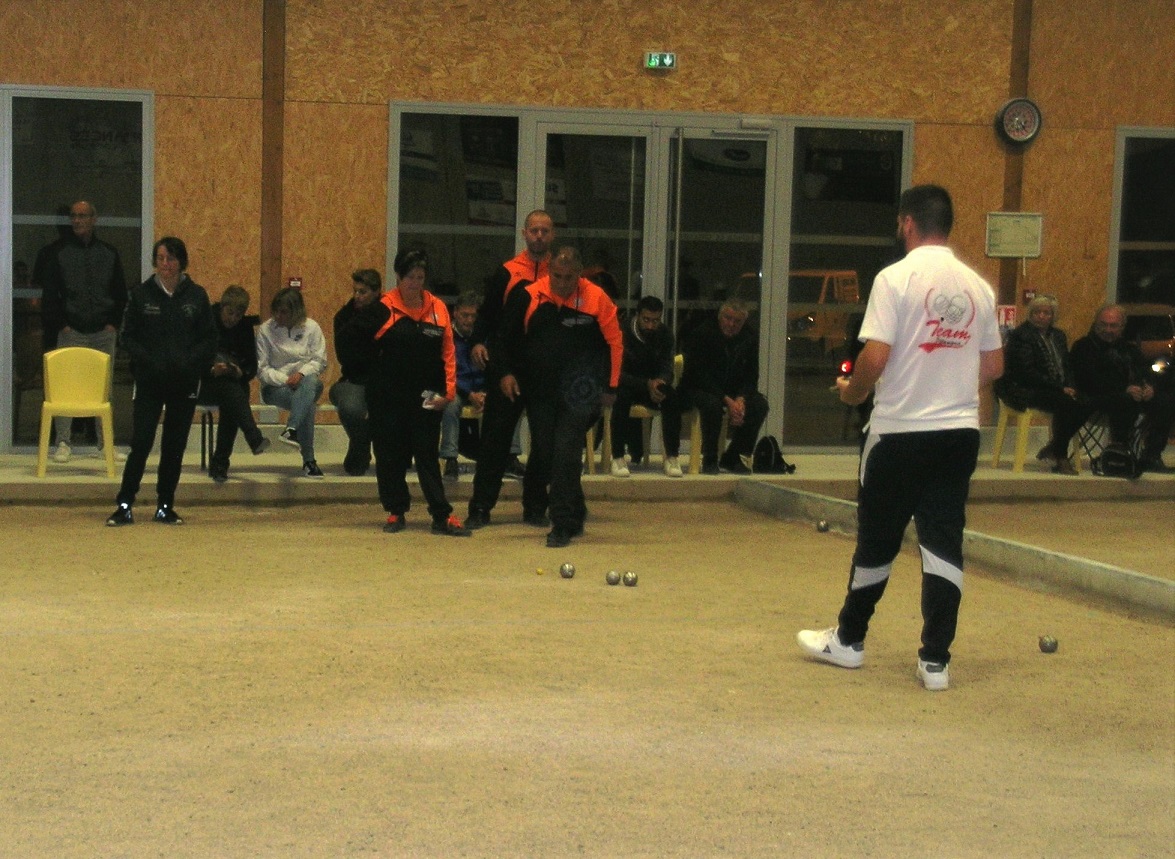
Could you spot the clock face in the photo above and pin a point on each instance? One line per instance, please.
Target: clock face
(1019, 120)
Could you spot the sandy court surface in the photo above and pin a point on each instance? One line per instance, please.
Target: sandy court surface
(268, 682)
(1134, 535)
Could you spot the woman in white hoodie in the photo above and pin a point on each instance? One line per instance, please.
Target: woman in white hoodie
(291, 356)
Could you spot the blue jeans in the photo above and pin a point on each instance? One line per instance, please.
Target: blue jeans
(302, 403)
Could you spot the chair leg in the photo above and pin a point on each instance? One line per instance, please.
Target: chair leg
(695, 442)
(43, 444)
(1001, 430)
(1023, 425)
(590, 452)
(606, 444)
(107, 419)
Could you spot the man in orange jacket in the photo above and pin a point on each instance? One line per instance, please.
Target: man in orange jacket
(561, 347)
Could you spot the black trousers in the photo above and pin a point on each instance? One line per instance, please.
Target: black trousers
(498, 421)
(925, 476)
(177, 404)
(1068, 416)
(627, 431)
(711, 407)
(402, 431)
(555, 467)
(231, 396)
(1122, 412)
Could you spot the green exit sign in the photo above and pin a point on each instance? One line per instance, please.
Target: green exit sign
(660, 60)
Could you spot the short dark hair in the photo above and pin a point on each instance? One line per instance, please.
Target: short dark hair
(930, 207)
(408, 259)
(469, 298)
(369, 277)
(235, 296)
(175, 247)
(651, 303)
(568, 255)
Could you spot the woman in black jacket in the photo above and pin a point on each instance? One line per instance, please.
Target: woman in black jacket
(1037, 376)
(168, 333)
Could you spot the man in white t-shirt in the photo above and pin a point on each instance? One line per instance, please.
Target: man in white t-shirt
(931, 340)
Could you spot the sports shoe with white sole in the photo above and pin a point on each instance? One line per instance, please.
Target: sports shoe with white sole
(672, 467)
(935, 676)
(824, 644)
(620, 467)
(62, 453)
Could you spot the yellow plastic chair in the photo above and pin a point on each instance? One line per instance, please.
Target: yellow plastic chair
(77, 385)
(1025, 421)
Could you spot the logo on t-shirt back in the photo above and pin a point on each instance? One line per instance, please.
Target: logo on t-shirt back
(948, 322)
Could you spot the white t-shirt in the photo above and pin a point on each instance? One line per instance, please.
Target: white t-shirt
(937, 315)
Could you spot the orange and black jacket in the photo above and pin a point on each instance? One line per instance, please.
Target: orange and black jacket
(414, 347)
(554, 345)
(522, 270)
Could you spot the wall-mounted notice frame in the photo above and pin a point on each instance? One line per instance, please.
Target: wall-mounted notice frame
(1014, 234)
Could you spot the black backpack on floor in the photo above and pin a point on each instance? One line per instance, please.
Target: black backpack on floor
(768, 458)
(1117, 460)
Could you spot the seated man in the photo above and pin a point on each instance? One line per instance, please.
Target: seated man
(646, 378)
(1037, 376)
(471, 384)
(356, 356)
(1112, 376)
(226, 383)
(721, 374)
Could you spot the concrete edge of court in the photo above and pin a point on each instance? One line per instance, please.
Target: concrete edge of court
(1017, 562)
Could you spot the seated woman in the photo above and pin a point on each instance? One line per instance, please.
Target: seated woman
(291, 355)
(356, 356)
(1037, 376)
(226, 383)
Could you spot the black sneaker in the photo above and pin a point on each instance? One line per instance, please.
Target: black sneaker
(290, 436)
(395, 523)
(733, 464)
(558, 538)
(710, 466)
(452, 470)
(261, 446)
(166, 515)
(311, 469)
(220, 475)
(515, 468)
(477, 519)
(121, 516)
(451, 527)
(355, 467)
(538, 520)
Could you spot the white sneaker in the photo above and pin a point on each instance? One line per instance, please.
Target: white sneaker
(935, 676)
(823, 644)
(620, 468)
(100, 453)
(63, 453)
(672, 467)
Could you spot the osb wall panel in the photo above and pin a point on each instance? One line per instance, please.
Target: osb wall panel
(968, 163)
(335, 202)
(189, 47)
(1070, 180)
(1099, 65)
(892, 58)
(208, 187)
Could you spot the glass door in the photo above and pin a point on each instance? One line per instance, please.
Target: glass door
(595, 192)
(65, 147)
